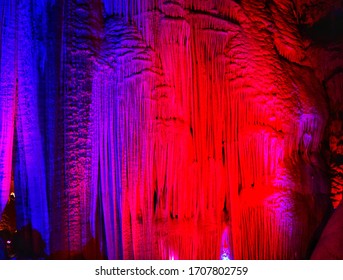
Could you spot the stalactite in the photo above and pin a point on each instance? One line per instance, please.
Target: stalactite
(168, 129)
(79, 50)
(229, 165)
(8, 87)
(28, 129)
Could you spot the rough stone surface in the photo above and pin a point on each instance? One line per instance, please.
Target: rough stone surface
(173, 129)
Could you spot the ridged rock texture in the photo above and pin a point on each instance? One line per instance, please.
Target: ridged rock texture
(186, 129)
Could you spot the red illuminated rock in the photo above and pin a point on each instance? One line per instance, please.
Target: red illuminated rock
(159, 126)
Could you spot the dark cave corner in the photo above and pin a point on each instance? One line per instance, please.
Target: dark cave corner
(27, 243)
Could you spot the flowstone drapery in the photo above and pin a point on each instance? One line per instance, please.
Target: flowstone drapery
(171, 129)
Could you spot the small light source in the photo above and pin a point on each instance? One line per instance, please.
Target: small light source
(225, 253)
(172, 255)
(9, 242)
(12, 194)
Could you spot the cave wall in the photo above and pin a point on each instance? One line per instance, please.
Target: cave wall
(171, 129)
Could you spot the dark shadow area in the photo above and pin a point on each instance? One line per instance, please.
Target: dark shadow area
(5, 244)
(28, 244)
(2, 250)
(91, 251)
(330, 244)
(8, 229)
(24, 244)
(317, 234)
(327, 29)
